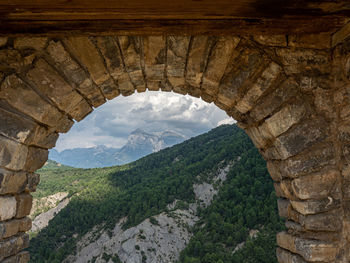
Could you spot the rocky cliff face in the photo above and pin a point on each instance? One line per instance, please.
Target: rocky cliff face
(158, 239)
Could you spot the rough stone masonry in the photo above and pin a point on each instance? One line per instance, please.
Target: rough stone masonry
(291, 94)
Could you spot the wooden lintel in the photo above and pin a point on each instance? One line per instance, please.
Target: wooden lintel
(187, 17)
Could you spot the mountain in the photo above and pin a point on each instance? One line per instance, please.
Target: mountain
(139, 144)
(208, 199)
(98, 156)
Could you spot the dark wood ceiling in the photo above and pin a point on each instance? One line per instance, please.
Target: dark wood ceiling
(53, 17)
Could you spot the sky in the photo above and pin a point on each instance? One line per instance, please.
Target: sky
(152, 111)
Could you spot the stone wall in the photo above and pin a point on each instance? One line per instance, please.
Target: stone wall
(290, 93)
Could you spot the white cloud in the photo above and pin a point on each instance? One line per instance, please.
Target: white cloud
(226, 121)
(152, 111)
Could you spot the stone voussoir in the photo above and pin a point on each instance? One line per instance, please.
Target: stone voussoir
(50, 83)
(281, 121)
(74, 73)
(263, 83)
(32, 104)
(299, 138)
(317, 186)
(131, 50)
(218, 61)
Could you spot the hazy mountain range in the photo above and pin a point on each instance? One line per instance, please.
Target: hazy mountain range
(139, 144)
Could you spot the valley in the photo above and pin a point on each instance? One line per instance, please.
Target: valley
(208, 199)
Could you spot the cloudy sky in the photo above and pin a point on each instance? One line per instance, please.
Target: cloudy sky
(111, 123)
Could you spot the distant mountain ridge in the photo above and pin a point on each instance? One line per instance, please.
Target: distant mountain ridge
(140, 143)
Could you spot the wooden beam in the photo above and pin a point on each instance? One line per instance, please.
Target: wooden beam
(101, 17)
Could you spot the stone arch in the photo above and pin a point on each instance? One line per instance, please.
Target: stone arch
(290, 94)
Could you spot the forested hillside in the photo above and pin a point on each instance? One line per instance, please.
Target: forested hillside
(101, 197)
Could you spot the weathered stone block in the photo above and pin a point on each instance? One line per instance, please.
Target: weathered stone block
(86, 52)
(310, 250)
(131, 50)
(32, 104)
(22, 257)
(37, 43)
(19, 128)
(82, 109)
(125, 85)
(12, 182)
(44, 138)
(13, 245)
(206, 97)
(267, 105)
(317, 41)
(309, 207)
(11, 60)
(304, 60)
(8, 207)
(12, 154)
(74, 73)
(111, 53)
(33, 181)
(327, 221)
(313, 250)
(12, 227)
(176, 59)
(36, 158)
(264, 82)
(281, 121)
(194, 92)
(341, 35)
(318, 158)
(3, 41)
(110, 89)
(197, 59)
(50, 83)
(138, 80)
(154, 57)
(180, 89)
(274, 171)
(284, 256)
(16, 127)
(316, 186)
(293, 227)
(300, 137)
(286, 241)
(219, 58)
(283, 207)
(24, 205)
(240, 73)
(259, 135)
(324, 102)
(227, 97)
(284, 189)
